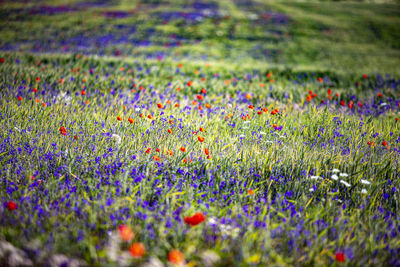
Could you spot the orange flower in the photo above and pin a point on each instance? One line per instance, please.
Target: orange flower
(183, 149)
(119, 118)
(177, 105)
(184, 160)
(131, 120)
(159, 105)
(200, 97)
(171, 121)
(150, 117)
(200, 108)
(83, 92)
(37, 100)
(251, 192)
(44, 104)
(206, 151)
(176, 257)
(189, 83)
(125, 232)
(208, 105)
(170, 131)
(320, 80)
(201, 129)
(137, 250)
(156, 158)
(265, 110)
(248, 96)
(170, 152)
(201, 139)
(204, 91)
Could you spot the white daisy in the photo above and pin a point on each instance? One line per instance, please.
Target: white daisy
(334, 177)
(116, 138)
(345, 183)
(335, 170)
(364, 191)
(343, 175)
(365, 181)
(315, 177)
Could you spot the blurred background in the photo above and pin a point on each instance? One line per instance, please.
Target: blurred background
(344, 36)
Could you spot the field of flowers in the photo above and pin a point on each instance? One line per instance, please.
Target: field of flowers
(226, 133)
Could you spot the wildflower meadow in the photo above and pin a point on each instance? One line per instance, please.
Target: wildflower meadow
(199, 133)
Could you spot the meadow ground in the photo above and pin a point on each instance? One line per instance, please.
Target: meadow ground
(226, 133)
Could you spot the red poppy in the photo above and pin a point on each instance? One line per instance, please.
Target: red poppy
(170, 131)
(76, 137)
(176, 257)
(83, 92)
(34, 90)
(63, 131)
(265, 110)
(201, 129)
(10, 205)
(2, 60)
(150, 117)
(156, 158)
(131, 120)
(379, 95)
(159, 105)
(396, 119)
(200, 97)
(157, 150)
(195, 219)
(119, 118)
(206, 151)
(137, 250)
(189, 83)
(365, 76)
(183, 149)
(148, 150)
(320, 80)
(384, 143)
(340, 257)
(251, 107)
(19, 98)
(201, 139)
(37, 79)
(204, 91)
(342, 103)
(171, 121)
(177, 105)
(259, 112)
(350, 104)
(125, 232)
(329, 91)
